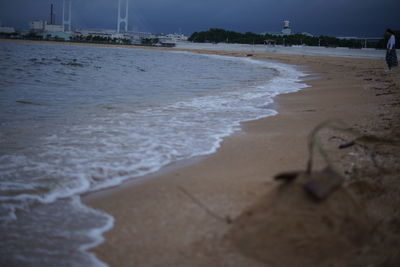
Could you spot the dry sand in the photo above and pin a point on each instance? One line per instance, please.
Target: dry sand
(226, 210)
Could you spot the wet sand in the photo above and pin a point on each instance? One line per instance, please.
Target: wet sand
(184, 216)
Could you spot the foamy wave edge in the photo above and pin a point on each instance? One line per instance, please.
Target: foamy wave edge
(289, 77)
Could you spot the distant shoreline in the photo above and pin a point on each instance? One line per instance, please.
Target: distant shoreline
(247, 50)
(78, 43)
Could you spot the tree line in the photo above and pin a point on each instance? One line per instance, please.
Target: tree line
(100, 39)
(215, 35)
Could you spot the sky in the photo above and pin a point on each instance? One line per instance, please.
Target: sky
(362, 18)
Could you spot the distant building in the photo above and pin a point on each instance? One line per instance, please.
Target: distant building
(54, 28)
(176, 37)
(43, 26)
(137, 36)
(37, 26)
(286, 30)
(49, 31)
(7, 30)
(100, 33)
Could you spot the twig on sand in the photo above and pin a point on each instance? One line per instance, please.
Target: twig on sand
(227, 219)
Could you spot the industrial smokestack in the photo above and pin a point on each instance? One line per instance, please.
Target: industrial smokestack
(52, 16)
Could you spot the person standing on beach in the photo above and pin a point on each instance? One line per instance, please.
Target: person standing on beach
(391, 56)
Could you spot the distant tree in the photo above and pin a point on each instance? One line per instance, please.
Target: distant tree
(219, 35)
(150, 41)
(59, 39)
(126, 41)
(33, 36)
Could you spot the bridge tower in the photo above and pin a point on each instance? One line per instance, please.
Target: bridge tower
(122, 19)
(66, 20)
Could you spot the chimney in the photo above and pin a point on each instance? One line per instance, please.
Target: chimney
(52, 16)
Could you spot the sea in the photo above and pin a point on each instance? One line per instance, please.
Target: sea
(76, 119)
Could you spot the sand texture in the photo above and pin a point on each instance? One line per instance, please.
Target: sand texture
(226, 209)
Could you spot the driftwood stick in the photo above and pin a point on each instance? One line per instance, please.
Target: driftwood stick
(227, 219)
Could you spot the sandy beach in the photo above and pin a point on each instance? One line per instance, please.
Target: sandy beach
(226, 209)
(192, 215)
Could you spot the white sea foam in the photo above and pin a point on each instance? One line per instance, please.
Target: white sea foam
(59, 233)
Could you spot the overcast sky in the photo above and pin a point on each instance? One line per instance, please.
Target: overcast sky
(329, 17)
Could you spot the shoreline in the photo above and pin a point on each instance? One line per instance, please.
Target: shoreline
(344, 52)
(176, 166)
(189, 213)
(159, 216)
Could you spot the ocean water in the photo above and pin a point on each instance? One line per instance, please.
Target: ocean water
(75, 119)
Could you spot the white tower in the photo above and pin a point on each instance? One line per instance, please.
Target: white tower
(286, 30)
(122, 19)
(286, 24)
(67, 18)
